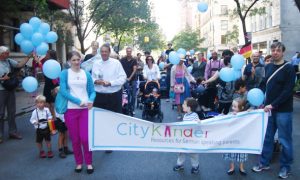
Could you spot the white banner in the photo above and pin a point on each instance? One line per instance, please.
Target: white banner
(240, 133)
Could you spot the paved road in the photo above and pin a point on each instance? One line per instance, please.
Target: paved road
(19, 159)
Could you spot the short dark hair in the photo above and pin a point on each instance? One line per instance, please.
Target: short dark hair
(148, 59)
(106, 46)
(147, 53)
(278, 45)
(52, 54)
(268, 56)
(138, 54)
(73, 53)
(192, 103)
(239, 83)
(227, 52)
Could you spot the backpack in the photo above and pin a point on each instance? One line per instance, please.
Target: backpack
(225, 91)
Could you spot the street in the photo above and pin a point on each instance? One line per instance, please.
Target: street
(19, 158)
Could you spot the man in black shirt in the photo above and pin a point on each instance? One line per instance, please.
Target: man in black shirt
(95, 47)
(278, 85)
(168, 67)
(130, 66)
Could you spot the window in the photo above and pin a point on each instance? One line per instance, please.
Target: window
(223, 39)
(224, 25)
(224, 10)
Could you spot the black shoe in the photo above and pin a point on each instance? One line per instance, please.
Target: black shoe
(108, 151)
(67, 151)
(90, 171)
(230, 172)
(243, 172)
(195, 170)
(62, 154)
(178, 168)
(78, 170)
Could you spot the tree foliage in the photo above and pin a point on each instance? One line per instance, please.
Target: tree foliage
(127, 18)
(233, 35)
(187, 39)
(156, 40)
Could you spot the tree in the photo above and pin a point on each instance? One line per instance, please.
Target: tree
(187, 39)
(233, 36)
(246, 8)
(151, 31)
(85, 22)
(128, 17)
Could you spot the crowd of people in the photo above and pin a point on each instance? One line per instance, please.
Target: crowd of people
(103, 86)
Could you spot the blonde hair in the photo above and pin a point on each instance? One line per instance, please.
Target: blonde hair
(241, 103)
(40, 98)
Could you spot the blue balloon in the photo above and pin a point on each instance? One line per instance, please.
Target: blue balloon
(51, 69)
(26, 46)
(161, 65)
(227, 74)
(174, 57)
(237, 61)
(181, 51)
(192, 51)
(208, 55)
(256, 97)
(19, 38)
(42, 49)
(190, 68)
(51, 37)
(202, 7)
(29, 84)
(35, 22)
(237, 74)
(37, 39)
(26, 30)
(44, 28)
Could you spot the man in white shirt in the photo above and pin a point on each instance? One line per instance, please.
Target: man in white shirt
(109, 77)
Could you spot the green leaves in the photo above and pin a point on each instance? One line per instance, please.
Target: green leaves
(187, 39)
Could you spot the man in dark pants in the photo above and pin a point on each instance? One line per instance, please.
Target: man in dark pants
(8, 97)
(109, 77)
(211, 68)
(278, 85)
(168, 67)
(130, 67)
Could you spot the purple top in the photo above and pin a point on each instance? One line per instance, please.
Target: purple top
(211, 67)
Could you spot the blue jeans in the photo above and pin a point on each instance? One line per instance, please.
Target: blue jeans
(283, 122)
(131, 87)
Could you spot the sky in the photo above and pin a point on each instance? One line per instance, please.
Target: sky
(168, 16)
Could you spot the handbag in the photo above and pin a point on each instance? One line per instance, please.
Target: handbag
(13, 81)
(61, 103)
(178, 88)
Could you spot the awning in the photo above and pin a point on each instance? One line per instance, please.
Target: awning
(59, 4)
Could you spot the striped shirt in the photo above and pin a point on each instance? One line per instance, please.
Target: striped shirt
(191, 117)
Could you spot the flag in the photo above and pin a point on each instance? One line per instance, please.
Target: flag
(246, 50)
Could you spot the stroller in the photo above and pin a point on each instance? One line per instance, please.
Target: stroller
(125, 103)
(151, 99)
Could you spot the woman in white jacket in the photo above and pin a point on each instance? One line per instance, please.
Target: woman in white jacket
(151, 71)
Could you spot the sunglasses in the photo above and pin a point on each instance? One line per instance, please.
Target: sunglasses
(149, 59)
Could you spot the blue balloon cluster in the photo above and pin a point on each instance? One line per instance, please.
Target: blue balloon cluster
(29, 84)
(51, 69)
(174, 57)
(161, 65)
(35, 35)
(202, 7)
(256, 97)
(237, 61)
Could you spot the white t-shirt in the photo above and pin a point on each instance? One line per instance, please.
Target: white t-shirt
(77, 82)
(151, 74)
(39, 114)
